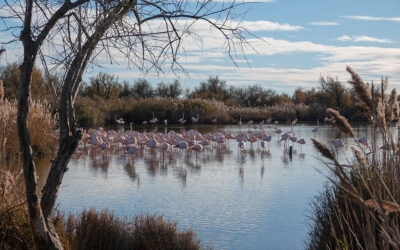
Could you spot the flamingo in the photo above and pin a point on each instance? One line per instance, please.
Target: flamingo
(182, 145)
(301, 142)
(262, 145)
(269, 120)
(241, 144)
(195, 120)
(293, 139)
(363, 140)
(315, 130)
(197, 148)
(165, 122)
(119, 121)
(182, 120)
(240, 121)
(152, 144)
(204, 142)
(130, 125)
(267, 138)
(338, 143)
(285, 137)
(214, 120)
(133, 149)
(278, 131)
(154, 120)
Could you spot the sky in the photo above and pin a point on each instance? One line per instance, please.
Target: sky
(298, 42)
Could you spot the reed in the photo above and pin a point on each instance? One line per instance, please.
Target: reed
(98, 111)
(41, 124)
(360, 208)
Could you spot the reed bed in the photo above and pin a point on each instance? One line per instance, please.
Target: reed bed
(99, 111)
(360, 208)
(41, 124)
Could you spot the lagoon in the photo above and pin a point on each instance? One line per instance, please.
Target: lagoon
(232, 199)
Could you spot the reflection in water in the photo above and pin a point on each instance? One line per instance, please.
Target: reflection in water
(157, 162)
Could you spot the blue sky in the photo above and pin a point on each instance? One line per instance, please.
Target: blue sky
(304, 40)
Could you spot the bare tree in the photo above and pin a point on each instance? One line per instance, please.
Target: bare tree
(149, 34)
(334, 89)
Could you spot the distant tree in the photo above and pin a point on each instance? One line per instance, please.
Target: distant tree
(171, 90)
(10, 75)
(334, 91)
(213, 88)
(162, 90)
(142, 89)
(299, 96)
(126, 90)
(174, 90)
(104, 85)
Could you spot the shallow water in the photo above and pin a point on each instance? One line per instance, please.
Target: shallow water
(233, 199)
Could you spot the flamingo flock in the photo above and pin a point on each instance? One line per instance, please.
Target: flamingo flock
(132, 142)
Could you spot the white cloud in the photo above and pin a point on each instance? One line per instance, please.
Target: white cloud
(269, 26)
(346, 38)
(324, 23)
(372, 18)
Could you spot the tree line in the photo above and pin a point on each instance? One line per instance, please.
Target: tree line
(331, 93)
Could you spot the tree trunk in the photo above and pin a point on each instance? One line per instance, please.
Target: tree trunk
(44, 239)
(69, 135)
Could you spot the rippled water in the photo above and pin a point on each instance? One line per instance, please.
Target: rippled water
(233, 199)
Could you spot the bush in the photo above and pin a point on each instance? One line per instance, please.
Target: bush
(103, 230)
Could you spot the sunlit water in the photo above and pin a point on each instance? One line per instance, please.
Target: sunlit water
(233, 199)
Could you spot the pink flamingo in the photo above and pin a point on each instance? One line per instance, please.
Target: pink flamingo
(301, 142)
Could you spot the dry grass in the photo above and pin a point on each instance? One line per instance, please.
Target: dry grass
(362, 208)
(15, 231)
(103, 230)
(41, 124)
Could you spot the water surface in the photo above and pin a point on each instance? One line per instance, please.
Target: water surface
(233, 199)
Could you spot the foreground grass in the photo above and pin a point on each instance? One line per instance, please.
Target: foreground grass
(360, 208)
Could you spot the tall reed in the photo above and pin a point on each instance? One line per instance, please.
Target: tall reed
(360, 209)
(41, 124)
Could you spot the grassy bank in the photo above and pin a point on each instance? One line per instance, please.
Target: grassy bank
(360, 208)
(99, 111)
